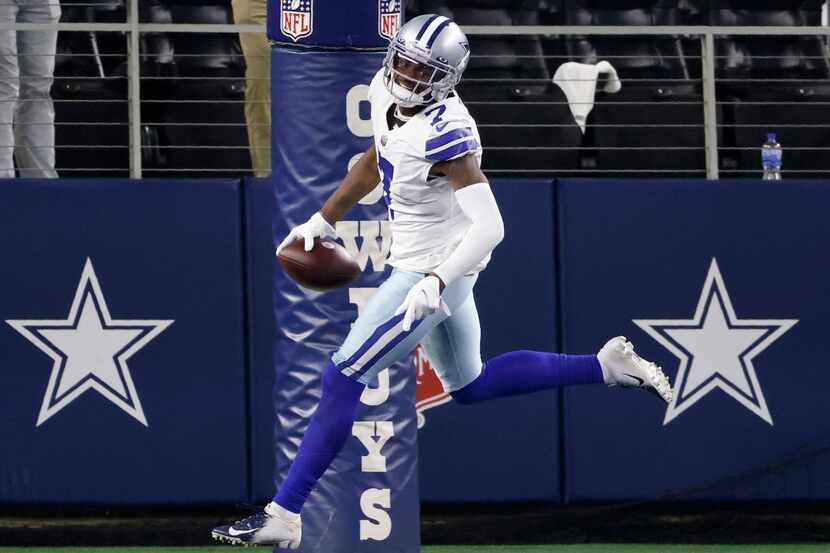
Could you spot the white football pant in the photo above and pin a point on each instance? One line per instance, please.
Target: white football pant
(27, 115)
(452, 344)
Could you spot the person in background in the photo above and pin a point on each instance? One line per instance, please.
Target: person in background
(257, 53)
(27, 114)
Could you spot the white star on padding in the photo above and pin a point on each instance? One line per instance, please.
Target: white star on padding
(716, 349)
(90, 350)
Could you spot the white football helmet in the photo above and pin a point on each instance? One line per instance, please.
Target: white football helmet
(425, 60)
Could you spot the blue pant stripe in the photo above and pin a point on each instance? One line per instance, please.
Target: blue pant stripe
(389, 347)
(379, 331)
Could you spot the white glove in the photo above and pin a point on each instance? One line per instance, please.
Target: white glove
(422, 300)
(315, 227)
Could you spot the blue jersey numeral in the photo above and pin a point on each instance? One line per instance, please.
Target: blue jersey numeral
(387, 173)
(439, 111)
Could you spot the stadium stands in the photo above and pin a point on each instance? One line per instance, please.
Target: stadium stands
(87, 71)
(180, 74)
(659, 106)
(653, 125)
(209, 70)
(508, 90)
(771, 83)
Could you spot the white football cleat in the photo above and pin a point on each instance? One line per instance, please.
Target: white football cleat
(273, 525)
(622, 367)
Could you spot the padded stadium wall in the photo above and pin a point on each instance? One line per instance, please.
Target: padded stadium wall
(660, 261)
(324, 57)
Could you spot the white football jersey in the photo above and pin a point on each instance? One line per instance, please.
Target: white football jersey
(427, 222)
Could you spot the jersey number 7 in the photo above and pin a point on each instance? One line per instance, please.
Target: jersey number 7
(436, 121)
(387, 173)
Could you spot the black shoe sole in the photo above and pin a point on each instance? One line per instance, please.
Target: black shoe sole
(222, 538)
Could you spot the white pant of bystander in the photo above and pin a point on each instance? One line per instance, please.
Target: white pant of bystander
(27, 114)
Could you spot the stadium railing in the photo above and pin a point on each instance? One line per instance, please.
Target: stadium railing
(119, 114)
(708, 116)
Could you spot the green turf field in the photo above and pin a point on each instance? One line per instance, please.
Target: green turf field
(591, 548)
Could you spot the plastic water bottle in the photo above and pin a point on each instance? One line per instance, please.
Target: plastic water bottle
(771, 155)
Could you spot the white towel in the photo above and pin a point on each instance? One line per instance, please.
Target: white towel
(579, 83)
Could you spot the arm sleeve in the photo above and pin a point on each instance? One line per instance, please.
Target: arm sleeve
(485, 233)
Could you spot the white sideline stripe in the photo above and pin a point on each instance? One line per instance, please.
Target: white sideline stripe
(382, 342)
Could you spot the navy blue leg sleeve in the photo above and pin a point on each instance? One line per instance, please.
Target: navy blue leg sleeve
(522, 372)
(327, 432)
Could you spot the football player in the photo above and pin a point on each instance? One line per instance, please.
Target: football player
(445, 223)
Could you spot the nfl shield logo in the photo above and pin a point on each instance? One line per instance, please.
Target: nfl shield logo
(296, 17)
(429, 392)
(389, 18)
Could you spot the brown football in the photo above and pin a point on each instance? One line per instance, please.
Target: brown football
(326, 267)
